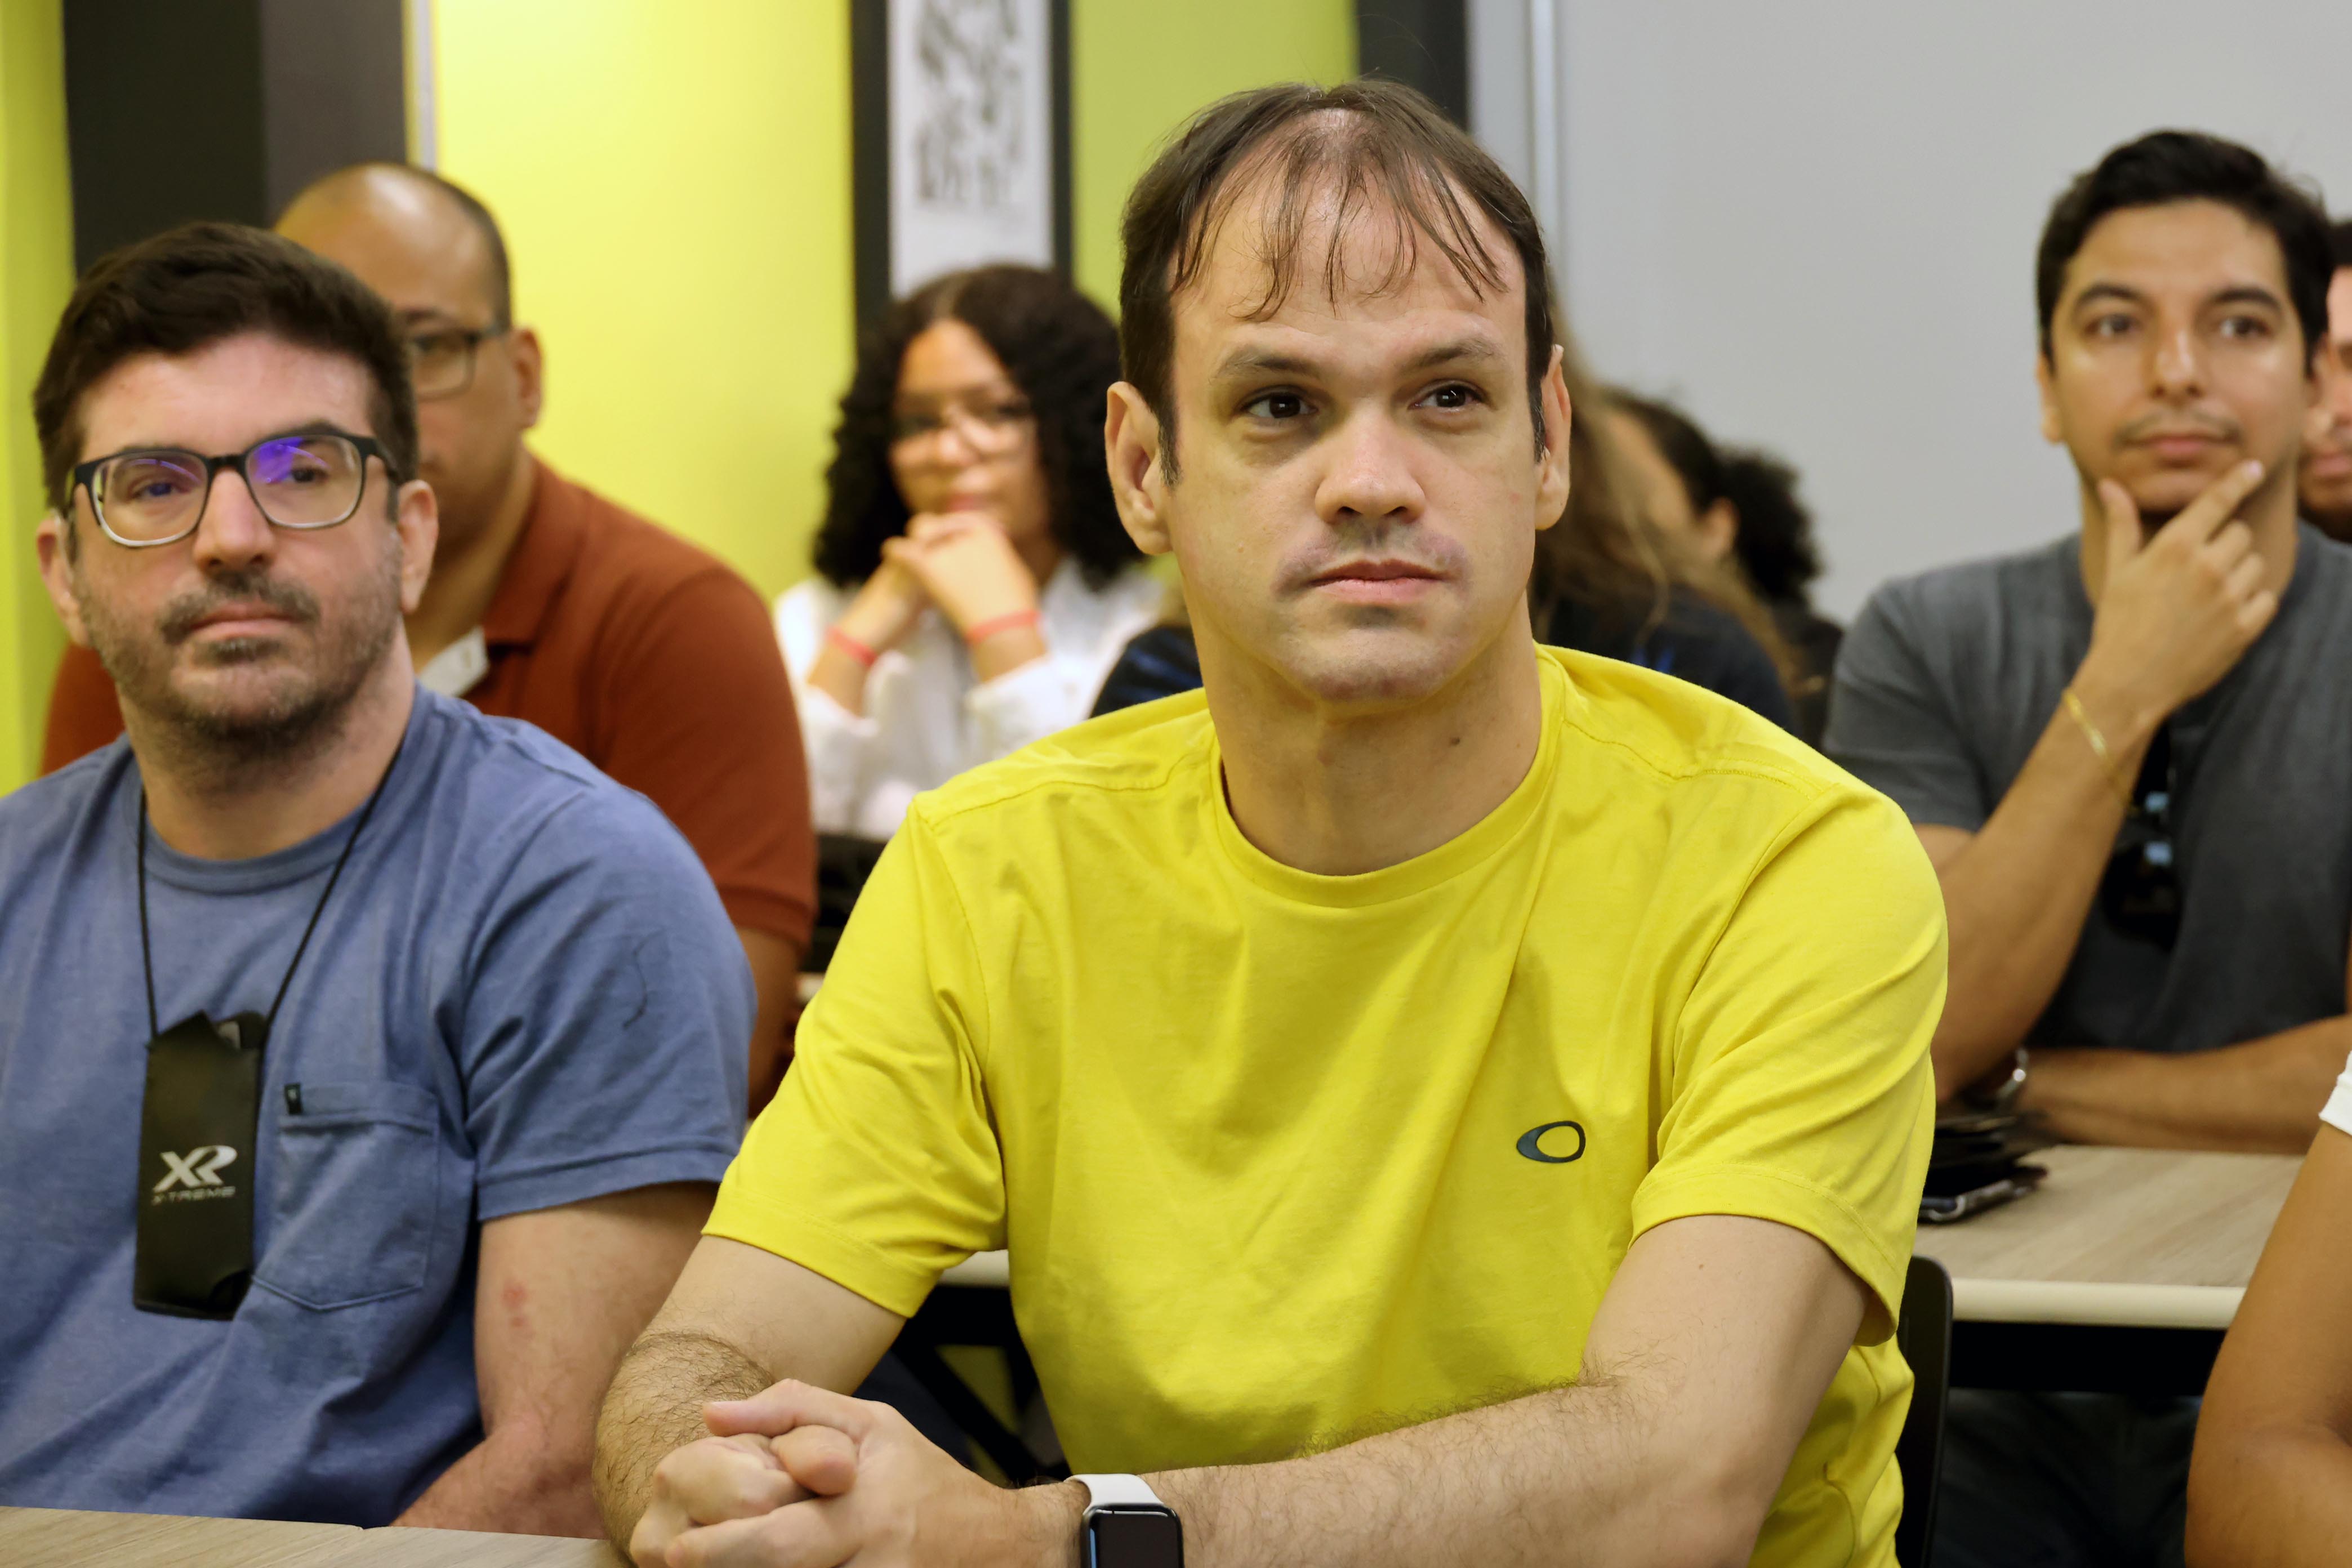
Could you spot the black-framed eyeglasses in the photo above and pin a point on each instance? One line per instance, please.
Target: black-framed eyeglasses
(441, 359)
(156, 495)
(2140, 894)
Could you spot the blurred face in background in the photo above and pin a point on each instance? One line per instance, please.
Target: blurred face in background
(1664, 498)
(2327, 462)
(2175, 354)
(477, 378)
(964, 438)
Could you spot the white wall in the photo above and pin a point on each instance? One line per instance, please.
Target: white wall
(1813, 221)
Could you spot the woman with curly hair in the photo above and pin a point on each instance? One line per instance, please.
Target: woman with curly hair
(974, 584)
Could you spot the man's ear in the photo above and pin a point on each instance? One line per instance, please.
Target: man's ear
(530, 373)
(1138, 481)
(416, 516)
(2053, 431)
(58, 573)
(1553, 478)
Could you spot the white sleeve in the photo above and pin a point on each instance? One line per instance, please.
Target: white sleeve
(1026, 704)
(840, 744)
(1059, 690)
(2338, 1113)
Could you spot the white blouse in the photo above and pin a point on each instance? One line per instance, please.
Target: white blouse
(926, 717)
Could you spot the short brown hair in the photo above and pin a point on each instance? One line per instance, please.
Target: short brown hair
(194, 286)
(1385, 142)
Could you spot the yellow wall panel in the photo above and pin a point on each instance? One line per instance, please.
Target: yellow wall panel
(1140, 70)
(35, 276)
(674, 183)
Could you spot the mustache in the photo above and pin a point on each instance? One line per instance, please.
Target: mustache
(178, 622)
(2177, 421)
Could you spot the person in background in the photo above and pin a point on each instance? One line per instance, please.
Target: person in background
(367, 1063)
(1739, 511)
(973, 585)
(550, 604)
(1607, 580)
(1448, 1100)
(2327, 480)
(2270, 1482)
(2128, 753)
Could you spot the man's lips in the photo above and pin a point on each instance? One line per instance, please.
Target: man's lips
(2181, 444)
(242, 620)
(1377, 582)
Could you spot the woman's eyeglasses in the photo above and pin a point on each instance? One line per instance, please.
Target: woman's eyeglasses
(987, 427)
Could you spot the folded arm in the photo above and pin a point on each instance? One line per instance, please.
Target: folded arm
(562, 1293)
(2270, 1484)
(1705, 1364)
(1703, 1368)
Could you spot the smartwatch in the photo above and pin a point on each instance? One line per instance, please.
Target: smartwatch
(1127, 1526)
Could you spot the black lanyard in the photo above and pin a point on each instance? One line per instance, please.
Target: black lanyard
(146, 949)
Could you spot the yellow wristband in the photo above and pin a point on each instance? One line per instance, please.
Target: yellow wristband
(2098, 745)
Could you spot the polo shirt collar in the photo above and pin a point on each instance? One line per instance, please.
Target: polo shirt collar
(553, 529)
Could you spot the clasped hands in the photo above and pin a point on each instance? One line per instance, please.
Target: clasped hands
(963, 562)
(798, 1476)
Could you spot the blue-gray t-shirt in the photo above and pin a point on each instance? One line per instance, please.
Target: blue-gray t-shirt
(523, 994)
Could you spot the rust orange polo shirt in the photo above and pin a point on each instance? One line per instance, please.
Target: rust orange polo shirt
(646, 655)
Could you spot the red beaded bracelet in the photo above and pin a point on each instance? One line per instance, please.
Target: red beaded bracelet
(980, 631)
(851, 645)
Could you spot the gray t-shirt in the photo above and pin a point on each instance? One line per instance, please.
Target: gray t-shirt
(1947, 680)
(523, 994)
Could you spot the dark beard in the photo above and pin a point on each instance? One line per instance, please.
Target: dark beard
(303, 718)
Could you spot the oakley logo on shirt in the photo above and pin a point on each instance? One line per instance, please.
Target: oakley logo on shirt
(1569, 1150)
(197, 1169)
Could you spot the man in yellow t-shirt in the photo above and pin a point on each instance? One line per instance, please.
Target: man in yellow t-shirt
(1447, 1100)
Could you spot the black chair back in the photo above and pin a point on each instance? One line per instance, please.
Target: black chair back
(1924, 1335)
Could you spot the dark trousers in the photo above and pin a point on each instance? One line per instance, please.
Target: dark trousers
(891, 1383)
(2062, 1480)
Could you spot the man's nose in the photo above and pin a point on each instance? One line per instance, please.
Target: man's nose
(1370, 479)
(2179, 366)
(234, 531)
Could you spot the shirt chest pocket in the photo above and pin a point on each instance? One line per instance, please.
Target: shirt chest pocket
(353, 1204)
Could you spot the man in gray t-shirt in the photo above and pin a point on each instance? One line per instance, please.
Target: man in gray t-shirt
(1950, 679)
(2129, 756)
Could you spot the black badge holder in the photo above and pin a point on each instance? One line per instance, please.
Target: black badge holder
(196, 1129)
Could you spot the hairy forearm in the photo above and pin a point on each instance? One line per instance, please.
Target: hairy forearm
(1576, 1476)
(654, 1406)
(2275, 1498)
(2016, 895)
(514, 1482)
(2262, 1096)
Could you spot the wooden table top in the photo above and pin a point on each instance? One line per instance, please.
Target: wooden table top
(59, 1538)
(2150, 1237)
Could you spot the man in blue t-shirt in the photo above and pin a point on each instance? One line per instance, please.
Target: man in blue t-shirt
(365, 1064)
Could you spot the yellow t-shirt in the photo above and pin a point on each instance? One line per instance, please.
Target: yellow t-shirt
(1264, 1144)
